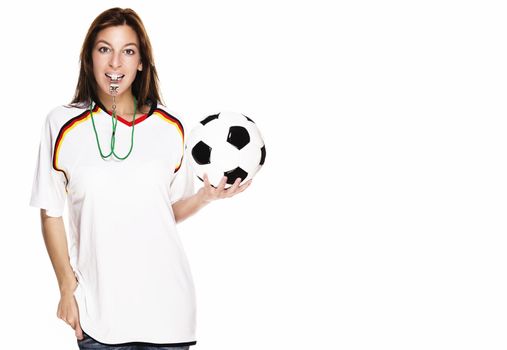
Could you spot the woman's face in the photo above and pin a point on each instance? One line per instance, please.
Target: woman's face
(116, 59)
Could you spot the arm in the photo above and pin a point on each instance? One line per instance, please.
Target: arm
(53, 230)
(184, 208)
(55, 239)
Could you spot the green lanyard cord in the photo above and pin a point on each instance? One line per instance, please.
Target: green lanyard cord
(114, 120)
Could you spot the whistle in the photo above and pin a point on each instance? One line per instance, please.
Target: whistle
(113, 89)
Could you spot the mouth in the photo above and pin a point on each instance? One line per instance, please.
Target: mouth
(115, 77)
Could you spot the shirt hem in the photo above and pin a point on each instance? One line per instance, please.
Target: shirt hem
(194, 342)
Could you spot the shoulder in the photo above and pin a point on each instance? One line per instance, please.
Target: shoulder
(62, 114)
(57, 119)
(170, 116)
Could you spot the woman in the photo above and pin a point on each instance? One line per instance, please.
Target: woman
(126, 281)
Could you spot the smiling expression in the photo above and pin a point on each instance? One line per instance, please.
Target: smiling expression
(116, 59)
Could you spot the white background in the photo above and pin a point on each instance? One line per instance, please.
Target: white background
(378, 220)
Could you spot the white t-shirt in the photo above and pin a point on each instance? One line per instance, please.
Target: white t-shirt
(134, 280)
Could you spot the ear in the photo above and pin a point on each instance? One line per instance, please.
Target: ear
(140, 67)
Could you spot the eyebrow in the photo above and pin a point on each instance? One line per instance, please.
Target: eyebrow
(105, 42)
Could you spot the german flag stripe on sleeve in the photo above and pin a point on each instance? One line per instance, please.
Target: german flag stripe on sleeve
(69, 125)
(174, 121)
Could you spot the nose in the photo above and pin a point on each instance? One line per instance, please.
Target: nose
(115, 60)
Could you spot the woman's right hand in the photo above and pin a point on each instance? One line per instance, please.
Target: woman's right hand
(69, 311)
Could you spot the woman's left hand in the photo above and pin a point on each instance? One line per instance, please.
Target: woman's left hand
(209, 193)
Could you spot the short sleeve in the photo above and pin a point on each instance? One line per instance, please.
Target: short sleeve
(48, 187)
(182, 183)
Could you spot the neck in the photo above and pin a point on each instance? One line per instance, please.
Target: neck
(124, 103)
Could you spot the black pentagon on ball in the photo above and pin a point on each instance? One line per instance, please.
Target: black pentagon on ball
(232, 175)
(208, 119)
(263, 155)
(201, 153)
(238, 136)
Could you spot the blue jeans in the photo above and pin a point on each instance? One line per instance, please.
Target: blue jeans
(88, 343)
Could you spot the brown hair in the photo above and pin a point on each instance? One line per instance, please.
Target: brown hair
(145, 86)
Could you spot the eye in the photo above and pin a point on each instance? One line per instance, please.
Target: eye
(129, 52)
(104, 49)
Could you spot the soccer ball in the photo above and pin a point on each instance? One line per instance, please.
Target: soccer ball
(226, 143)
